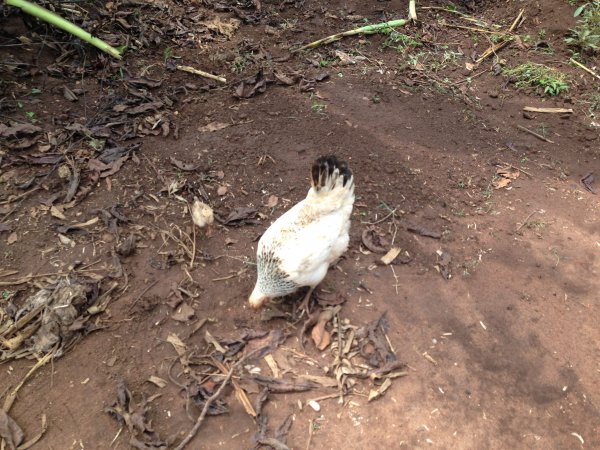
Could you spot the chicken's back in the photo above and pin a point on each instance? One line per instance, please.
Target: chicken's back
(313, 233)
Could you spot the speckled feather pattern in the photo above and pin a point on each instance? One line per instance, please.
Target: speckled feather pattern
(297, 249)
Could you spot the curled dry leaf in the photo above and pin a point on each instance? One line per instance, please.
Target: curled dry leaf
(320, 336)
(375, 240)
(505, 175)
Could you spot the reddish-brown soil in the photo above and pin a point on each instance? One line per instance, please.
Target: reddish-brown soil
(512, 337)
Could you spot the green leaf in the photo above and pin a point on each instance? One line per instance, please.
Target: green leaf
(579, 10)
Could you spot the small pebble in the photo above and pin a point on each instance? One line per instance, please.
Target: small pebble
(314, 405)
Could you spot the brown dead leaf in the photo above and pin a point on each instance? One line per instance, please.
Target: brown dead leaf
(587, 182)
(443, 265)
(251, 86)
(240, 216)
(375, 240)
(221, 191)
(18, 130)
(134, 417)
(273, 201)
(213, 126)
(223, 27)
(320, 336)
(12, 238)
(505, 175)
(57, 212)
(185, 166)
(376, 393)
(184, 313)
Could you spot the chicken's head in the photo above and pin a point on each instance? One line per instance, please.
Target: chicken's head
(258, 298)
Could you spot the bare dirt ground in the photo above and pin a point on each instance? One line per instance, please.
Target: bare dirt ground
(502, 352)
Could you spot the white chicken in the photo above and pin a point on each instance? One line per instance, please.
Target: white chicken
(297, 249)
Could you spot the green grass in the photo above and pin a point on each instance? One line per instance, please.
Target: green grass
(546, 79)
(585, 37)
(399, 41)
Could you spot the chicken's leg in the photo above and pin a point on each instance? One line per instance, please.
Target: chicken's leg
(305, 305)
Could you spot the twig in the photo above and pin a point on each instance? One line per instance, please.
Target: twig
(518, 168)
(477, 30)
(497, 46)
(369, 29)
(472, 77)
(8, 401)
(533, 133)
(201, 73)
(28, 278)
(193, 256)
(310, 433)
(381, 220)
(212, 398)
(525, 221)
(142, 294)
(587, 69)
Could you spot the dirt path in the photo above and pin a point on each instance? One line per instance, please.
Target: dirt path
(503, 354)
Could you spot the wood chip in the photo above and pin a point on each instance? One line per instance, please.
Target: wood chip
(272, 365)
(391, 255)
(157, 381)
(548, 110)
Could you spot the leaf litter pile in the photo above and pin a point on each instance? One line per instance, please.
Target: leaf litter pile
(358, 362)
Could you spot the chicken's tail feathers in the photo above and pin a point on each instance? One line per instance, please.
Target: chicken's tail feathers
(328, 172)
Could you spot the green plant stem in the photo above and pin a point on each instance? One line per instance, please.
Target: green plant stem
(368, 29)
(54, 19)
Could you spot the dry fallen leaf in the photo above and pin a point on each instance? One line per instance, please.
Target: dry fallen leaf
(505, 175)
(320, 336)
(184, 313)
(56, 212)
(226, 28)
(12, 238)
(213, 126)
(273, 201)
(376, 393)
(222, 190)
(157, 381)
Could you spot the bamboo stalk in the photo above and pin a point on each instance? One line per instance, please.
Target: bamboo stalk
(412, 10)
(54, 19)
(368, 29)
(201, 73)
(587, 69)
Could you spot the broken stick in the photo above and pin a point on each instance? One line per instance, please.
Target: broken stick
(533, 133)
(201, 73)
